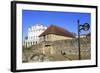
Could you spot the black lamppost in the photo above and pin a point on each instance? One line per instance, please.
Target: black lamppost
(84, 27)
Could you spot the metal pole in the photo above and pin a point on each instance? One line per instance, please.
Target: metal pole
(79, 40)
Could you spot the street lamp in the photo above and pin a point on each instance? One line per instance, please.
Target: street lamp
(84, 27)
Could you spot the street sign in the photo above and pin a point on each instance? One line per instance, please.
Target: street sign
(84, 27)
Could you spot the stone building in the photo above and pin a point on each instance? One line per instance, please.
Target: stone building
(51, 36)
(54, 33)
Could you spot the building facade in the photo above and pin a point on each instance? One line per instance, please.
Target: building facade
(33, 34)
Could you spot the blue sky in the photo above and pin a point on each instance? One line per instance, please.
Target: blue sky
(67, 20)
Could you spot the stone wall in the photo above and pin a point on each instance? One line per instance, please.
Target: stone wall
(64, 48)
(68, 47)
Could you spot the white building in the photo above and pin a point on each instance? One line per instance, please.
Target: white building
(33, 34)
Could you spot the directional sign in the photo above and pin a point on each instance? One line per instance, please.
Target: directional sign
(84, 27)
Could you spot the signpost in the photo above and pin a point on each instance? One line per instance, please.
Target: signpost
(84, 27)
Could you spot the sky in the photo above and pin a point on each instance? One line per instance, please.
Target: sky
(66, 20)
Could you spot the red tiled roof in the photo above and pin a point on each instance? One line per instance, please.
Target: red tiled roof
(58, 31)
